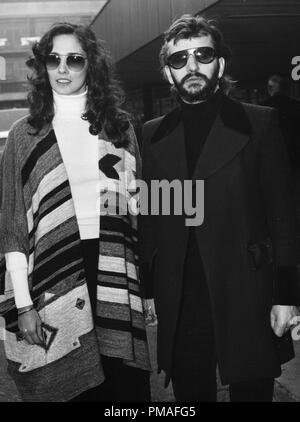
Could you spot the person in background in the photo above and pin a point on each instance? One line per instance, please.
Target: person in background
(71, 296)
(288, 116)
(288, 111)
(212, 284)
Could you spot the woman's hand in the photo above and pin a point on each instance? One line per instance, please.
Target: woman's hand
(151, 317)
(30, 325)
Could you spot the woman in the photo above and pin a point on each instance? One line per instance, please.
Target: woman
(72, 287)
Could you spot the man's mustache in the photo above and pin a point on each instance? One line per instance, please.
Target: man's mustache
(192, 75)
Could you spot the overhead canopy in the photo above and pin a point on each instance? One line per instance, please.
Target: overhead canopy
(128, 25)
(30, 9)
(264, 35)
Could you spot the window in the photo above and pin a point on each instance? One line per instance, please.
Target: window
(2, 69)
(3, 42)
(29, 40)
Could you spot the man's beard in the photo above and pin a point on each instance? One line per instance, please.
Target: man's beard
(200, 92)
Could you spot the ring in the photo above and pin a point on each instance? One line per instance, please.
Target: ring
(24, 331)
(149, 309)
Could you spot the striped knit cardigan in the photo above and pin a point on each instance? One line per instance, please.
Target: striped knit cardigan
(38, 219)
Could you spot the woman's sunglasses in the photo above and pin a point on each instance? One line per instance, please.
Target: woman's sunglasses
(74, 62)
(203, 55)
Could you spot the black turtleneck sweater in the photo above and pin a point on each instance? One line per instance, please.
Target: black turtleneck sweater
(195, 326)
(197, 122)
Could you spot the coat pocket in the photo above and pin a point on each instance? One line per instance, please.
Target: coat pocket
(19, 352)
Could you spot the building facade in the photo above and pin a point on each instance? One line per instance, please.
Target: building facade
(263, 36)
(21, 23)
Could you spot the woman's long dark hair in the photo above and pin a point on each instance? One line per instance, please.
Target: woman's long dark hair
(104, 97)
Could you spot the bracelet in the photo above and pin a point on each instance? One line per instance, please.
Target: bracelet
(27, 309)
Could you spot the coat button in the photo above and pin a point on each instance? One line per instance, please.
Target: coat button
(75, 344)
(80, 303)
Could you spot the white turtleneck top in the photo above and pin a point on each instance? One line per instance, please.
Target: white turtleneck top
(79, 150)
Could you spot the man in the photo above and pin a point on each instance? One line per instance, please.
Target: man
(213, 284)
(288, 116)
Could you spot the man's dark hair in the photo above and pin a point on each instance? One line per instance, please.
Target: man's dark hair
(104, 97)
(189, 26)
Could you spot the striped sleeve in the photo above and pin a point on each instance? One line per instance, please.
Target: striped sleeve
(13, 221)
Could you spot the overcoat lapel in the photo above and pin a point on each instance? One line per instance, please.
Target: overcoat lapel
(228, 136)
(168, 146)
(222, 145)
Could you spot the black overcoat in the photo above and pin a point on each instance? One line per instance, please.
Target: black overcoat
(247, 240)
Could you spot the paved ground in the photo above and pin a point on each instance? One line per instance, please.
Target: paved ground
(287, 387)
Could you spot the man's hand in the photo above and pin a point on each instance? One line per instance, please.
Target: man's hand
(283, 318)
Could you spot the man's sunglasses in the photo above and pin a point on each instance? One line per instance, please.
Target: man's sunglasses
(203, 55)
(74, 62)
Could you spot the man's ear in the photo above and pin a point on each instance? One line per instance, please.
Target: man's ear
(221, 66)
(168, 75)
